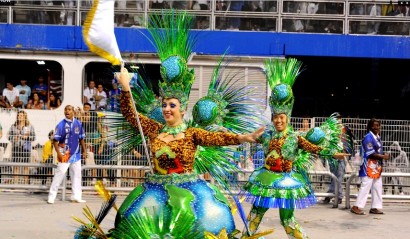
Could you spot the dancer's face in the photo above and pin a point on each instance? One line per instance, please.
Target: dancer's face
(280, 121)
(171, 109)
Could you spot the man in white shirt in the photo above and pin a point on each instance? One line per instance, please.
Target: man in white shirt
(89, 94)
(24, 91)
(10, 98)
(101, 98)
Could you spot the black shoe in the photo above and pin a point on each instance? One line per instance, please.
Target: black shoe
(375, 211)
(326, 200)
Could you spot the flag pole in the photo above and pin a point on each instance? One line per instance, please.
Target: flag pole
(144, 142)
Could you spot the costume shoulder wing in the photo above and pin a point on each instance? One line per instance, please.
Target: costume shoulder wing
(330, 137)
(228, 104)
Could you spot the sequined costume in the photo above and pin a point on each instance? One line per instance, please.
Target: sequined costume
(277, 184)
(174, 202)
(282, 181)
(182, 188)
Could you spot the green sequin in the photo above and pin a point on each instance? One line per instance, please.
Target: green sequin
(174, 130)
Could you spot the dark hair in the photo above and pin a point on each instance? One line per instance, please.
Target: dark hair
(371, 123)
(86, 103)
(337, 115)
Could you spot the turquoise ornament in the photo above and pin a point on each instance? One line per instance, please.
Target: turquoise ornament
(316, 135)
(205, 112)
(281, 75)
(282, 93)
(172, 68)
(281, 100)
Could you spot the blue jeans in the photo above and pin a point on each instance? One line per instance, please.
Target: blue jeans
(339, 170)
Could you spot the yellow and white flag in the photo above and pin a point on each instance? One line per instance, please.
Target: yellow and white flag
(98, 31)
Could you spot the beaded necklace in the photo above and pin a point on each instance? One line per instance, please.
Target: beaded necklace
(174, 130)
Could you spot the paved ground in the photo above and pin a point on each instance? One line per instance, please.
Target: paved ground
(24, 215)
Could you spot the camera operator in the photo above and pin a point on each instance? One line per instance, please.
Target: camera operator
(89, 94)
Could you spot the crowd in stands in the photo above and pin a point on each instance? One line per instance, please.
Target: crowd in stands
(24, 96)
(130, 14)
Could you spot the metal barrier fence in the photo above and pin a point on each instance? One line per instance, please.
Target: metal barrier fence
(27, 170)
(321, 16)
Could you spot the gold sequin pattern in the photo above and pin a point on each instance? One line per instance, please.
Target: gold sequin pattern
(149, 127)
(184, 148)
(308, 146)
(276, 144)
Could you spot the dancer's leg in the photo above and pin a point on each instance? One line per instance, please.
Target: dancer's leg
(254, 218)
(292, 227)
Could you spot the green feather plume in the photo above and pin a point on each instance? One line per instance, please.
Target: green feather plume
(280, 71)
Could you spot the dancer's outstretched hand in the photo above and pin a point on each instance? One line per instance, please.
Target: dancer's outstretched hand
(124, 78)
(251, 138)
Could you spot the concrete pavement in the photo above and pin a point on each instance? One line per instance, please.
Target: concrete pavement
(25, 215)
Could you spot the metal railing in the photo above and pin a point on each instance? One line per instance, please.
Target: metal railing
(348, 195)
(322, 16)
(395, 136)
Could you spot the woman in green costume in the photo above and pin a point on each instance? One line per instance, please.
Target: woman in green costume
(282, 181)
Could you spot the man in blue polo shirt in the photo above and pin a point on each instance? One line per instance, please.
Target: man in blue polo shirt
(69, 136)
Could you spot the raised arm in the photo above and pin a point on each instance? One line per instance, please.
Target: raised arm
(206, 138)
(149, 127)
(313, 148)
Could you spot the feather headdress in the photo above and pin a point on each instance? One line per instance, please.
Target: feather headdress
(281, 74)
(174, 43)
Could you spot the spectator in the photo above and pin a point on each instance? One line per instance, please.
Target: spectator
(88, 119)
(53, 101)
(121, 17)
(201, 21)
(24, 90)
(101, 98)
(356, 9)
(235, 22)
(398, 164)
(66, 15)
(41, 89)
(374, 10)
(89, 94)
(159, 4)
(2, 149)
(21, 135)
(53, 16)
(11, 98)
(182, 5)
(338, 167)
(114, 95)
(35, 102)
(305, 125)
(371, 170)
(103, 153)
(69, 136)
(47, 158)
(333, 8)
